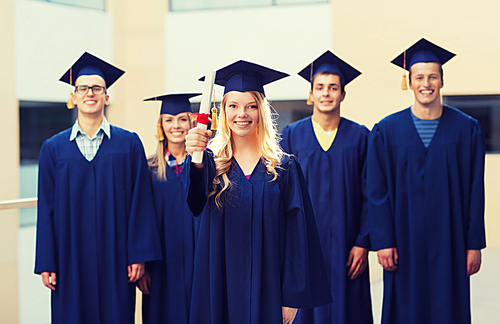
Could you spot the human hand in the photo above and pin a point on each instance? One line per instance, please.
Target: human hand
(288, 314)
(357, 260)
(144, 283)
(388, 258)
(135, 271)
(473, 261)
(197, 140)
(49, 280)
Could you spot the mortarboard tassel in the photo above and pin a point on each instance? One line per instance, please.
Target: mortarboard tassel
(70, 104)
(215, 123)
(159, 133)
(403, 81)
(309, 101)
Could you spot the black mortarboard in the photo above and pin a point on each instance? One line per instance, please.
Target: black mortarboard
(174, 104)
(245, 76)
(422, 51)
(89, 64)
(329, 62)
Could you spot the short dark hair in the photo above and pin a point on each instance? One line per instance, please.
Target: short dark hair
(440, 72)
(342, 82)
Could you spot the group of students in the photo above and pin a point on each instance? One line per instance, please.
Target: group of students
(250, 234)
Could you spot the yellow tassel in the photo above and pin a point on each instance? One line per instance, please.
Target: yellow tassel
(70, 101)
(403, 83)
(215, 124)
(159, 133)
(309, 101)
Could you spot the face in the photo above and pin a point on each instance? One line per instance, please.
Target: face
(90, 104)
(176, 127)
(426, 83)
(326, 94)
(242, 113)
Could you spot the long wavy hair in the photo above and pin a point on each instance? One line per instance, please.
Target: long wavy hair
(222, 145)
(157, 160)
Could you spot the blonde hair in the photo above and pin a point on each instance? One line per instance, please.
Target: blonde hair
(158, 159)
(222, 146)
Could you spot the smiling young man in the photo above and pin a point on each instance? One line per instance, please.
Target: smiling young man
(425, 185)
(96, 224)
(332, 152)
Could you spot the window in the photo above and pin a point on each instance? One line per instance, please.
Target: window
(38, 122)
(183, 5)
(91, 4)
(484, 108)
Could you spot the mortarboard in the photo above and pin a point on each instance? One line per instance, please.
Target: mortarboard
(245, 76)
(422, 51)
(89, 64)
(329, 62)
(172, 104)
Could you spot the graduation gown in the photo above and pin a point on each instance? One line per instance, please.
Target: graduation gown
(171, 279)
(336, 182)
(260, 251)
(428, 203)
(94, 219)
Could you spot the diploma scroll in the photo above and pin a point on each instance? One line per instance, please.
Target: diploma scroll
(205, 109)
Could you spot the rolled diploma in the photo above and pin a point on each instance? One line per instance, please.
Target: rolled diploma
(205, 108)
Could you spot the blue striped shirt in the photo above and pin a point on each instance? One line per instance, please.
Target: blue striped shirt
(425, 128)
(89, 146)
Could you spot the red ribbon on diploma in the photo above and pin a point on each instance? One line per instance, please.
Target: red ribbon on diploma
(202, 118)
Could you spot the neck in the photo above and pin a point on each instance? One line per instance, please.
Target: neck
(246, 146)
(427, 112)
(90, 124)
(178, 150)
(329, 121)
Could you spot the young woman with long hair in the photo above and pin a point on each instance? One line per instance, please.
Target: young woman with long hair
(258, 254)
(167, 284)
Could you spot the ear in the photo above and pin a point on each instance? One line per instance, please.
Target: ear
(343, 96)
(107, 100)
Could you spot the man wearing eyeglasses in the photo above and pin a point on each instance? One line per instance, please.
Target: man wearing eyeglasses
(96, 223)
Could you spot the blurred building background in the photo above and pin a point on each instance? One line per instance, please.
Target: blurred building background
(165, 46)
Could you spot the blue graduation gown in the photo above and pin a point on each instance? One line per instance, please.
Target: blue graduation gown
(94, 219)
(336, 182)
(171, 279)
(428, 203)
(260, 252)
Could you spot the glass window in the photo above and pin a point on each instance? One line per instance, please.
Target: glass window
(181, 5)
(484, 108)
(38, 122)
(92, 4)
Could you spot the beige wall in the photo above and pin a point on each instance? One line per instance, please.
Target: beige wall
(9, 176)
(139, 48)
(369, 34)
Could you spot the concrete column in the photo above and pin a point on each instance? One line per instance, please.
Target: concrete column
(9, 164)
(139, 49)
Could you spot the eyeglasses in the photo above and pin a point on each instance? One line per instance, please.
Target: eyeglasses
(84, 89)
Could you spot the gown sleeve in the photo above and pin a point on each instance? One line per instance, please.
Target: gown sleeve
(363, 238)
(143, 240)
(475, 235)
(200, 182)
(305, 283)
(381, 221)
(45, 236)
(285, 139)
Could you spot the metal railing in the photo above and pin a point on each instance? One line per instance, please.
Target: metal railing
(18, 203)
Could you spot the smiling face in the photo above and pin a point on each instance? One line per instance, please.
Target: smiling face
(90, 104)
(426, 82)
(175, 127)
(326, 93)
(242, 113)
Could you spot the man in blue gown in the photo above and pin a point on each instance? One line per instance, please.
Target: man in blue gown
(332, 153)
(96, 222)
(425, 186)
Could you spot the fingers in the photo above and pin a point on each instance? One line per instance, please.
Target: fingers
(473, 261)
(49, 280)
(197, 140)
(144, 283)
(135, 272)
(388, 258)
(288, 314)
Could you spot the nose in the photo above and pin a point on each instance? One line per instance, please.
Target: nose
(426, 82)
(176, 123)
(242, 112)
(325, 92)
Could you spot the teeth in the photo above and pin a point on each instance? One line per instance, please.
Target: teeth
(176, 133)
(242, 123)
(426, 91)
